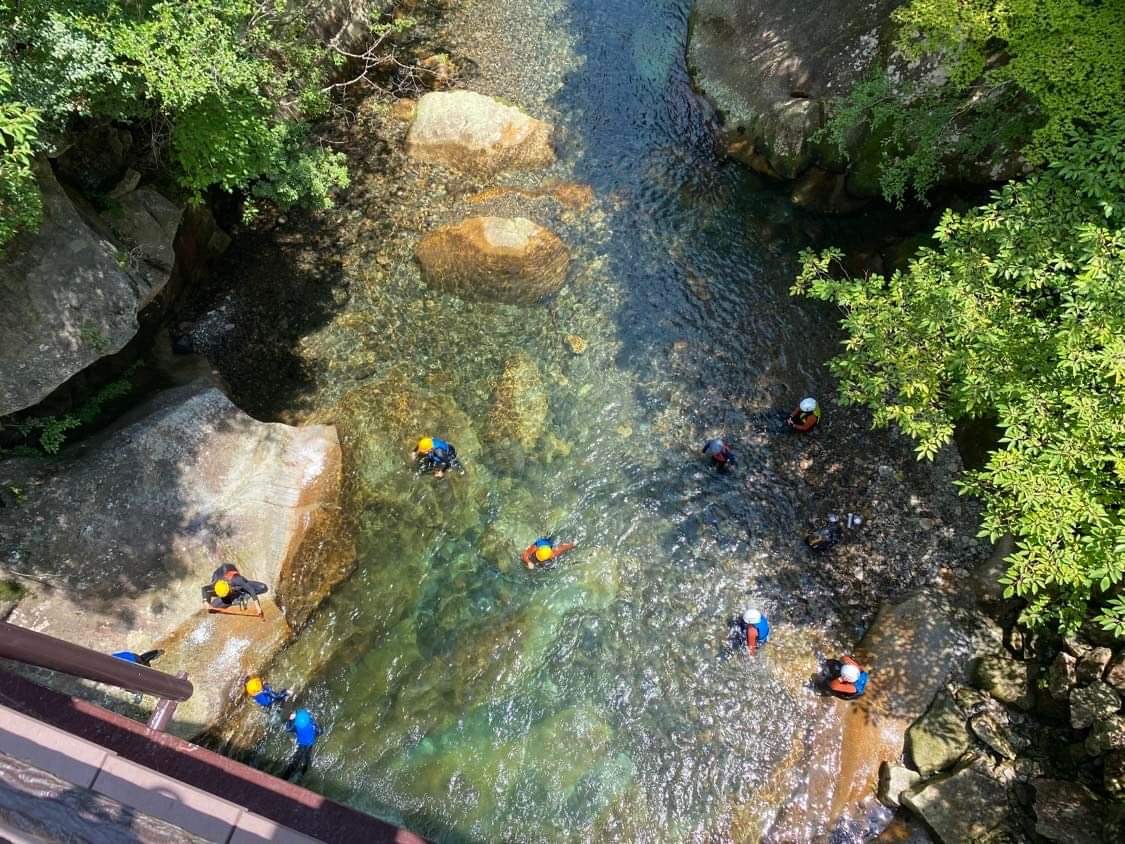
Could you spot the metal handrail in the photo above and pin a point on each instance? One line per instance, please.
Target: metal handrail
(39, 649)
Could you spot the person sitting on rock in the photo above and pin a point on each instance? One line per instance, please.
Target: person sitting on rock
(146, 659)
(306, 731)
(845, 678)
(805, 417)
(263, 693)
(543, 550)
(722, 458)
(750, 630)
(832, 534)
(228, 586)
(436, 455)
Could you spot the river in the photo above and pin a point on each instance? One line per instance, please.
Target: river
(458, 693)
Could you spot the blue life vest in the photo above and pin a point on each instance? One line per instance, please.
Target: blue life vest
(861, 683)
(544, 541)
(128, 656)
(441, 447)
(763, 628)
(304, 727)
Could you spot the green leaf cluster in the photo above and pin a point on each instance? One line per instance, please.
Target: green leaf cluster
(229, 85)
(1017, 314)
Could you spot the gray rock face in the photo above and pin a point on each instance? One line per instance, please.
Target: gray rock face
(496, 259)
(893, 781)
(120, 535)
(69, 295)
(1093, 664)
(769, 65)
(1061, 676)
(1067, 812)
(1106, 734)
(1007, 680)
(939, 738)
(962, 806)
(1088, 704)
(1115, 674)
(475, 133)
(995, 733)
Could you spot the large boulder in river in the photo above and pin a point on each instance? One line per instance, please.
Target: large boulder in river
(496, 259)
(69, 294)
(116, 539)
(770, 66)
(940, 737)
(472, 132)
(963, 806)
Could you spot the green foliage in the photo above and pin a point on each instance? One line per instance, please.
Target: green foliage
(11, 591)
(20, 203)
(1018, 313)
(52, 430)
(1023, 75)
(232, 84)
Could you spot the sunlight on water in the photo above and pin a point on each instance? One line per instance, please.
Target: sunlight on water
(481, 702)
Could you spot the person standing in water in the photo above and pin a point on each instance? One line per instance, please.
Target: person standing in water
(750, 630)
(435, 455)
(845, 678)
(543, 550)
(805, 417)
(722, 458)
(263, 693)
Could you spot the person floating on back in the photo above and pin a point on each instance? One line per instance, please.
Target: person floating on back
(832, 534)
(750, 630)
(146, 659)
(305, 731)
(722, 458)
(805, 417)
(436, 455)
(228, 587)
(263, 693)
(543, 550)
(845, 678)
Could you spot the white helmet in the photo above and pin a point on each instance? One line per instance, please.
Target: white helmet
(808, 405)
(751, 616)
(849, 673)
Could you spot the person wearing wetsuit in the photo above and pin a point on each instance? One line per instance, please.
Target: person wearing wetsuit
(845, 678)
(749, 630)
(827, 537)
(436, 455)
(722, 458)
(805, 417)
(264, 694)
(228, 586)
(146, 659)
(543, 550)
(305, 731)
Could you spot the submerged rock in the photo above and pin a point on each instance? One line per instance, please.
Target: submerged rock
(497, 259)
(69, 295)
(472, 132)
(520, 408)
(963, 806)
(120, 535)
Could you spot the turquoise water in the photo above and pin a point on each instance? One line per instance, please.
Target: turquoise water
(459, 693)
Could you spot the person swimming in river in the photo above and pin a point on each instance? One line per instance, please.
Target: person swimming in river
(543, 551)
(436, 455)
(832, 534)
(749, 630)
(722, 458)
(229, 587)
(805, 417)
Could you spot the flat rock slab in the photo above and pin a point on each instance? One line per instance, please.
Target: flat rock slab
(940, 737)
(472, 132)
(117, 538)
(963, 806)
(69, 295)
(1067, 812)
(496, 259)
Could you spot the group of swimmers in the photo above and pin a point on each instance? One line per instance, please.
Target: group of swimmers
(844, 677)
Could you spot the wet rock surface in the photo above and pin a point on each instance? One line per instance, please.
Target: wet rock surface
(471, 131)
(965, 805)
(938, 738)
(494, 258)
(70, 293)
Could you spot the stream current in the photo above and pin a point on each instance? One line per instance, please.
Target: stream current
(463, 695)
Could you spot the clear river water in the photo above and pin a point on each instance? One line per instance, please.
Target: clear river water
(461, 694)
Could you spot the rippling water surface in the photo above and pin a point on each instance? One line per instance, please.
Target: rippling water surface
(478, 701)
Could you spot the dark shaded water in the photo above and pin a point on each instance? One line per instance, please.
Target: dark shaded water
(588, 702)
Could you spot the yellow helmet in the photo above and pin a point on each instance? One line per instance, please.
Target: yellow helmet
(253, 686)
(222, 588)
(426, 445)
(544, 553)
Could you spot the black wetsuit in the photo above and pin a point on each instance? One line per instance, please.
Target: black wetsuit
(441, 458)
(827, 537)
(241, 589)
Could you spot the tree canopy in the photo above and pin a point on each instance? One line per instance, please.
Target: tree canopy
(1018, 312)
(226, 89)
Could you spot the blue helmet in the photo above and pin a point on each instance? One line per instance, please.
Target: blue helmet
(302, 718)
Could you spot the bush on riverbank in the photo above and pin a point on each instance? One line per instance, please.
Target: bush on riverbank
(223, 90)
(1018, 312)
